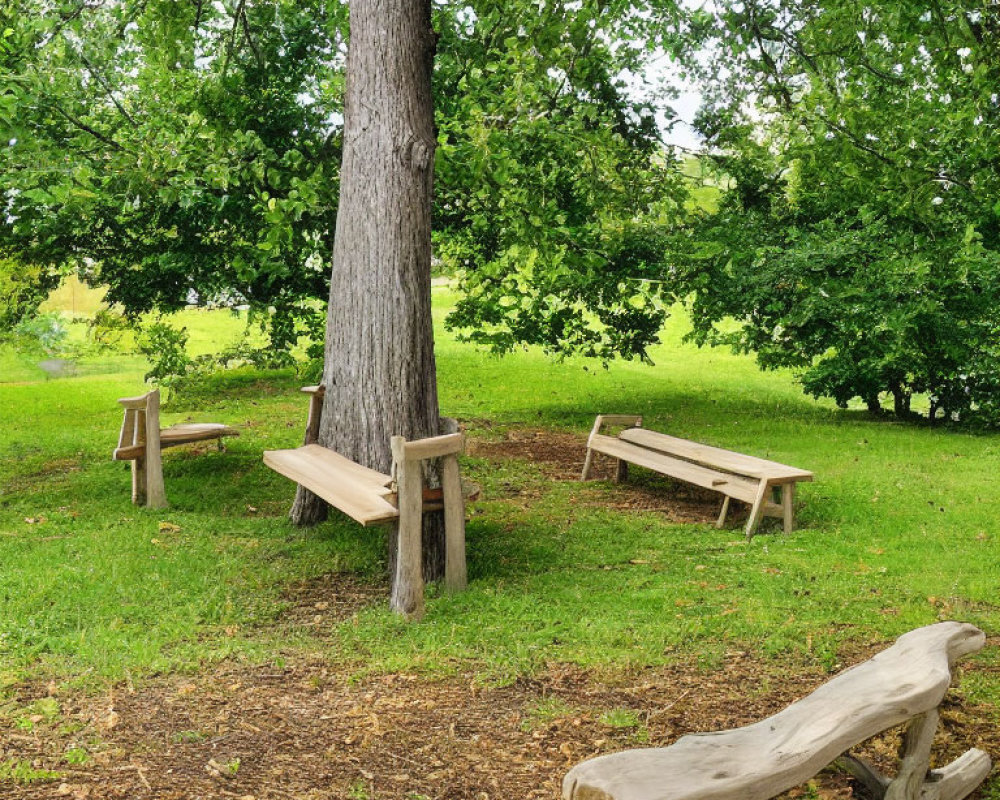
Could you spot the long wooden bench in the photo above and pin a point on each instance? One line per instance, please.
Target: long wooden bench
(141, 440)
(374, 498)
(904, 684)
(767, 486)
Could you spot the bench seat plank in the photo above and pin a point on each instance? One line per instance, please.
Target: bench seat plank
(762, 760)
(732, 485)
(361, 493)
(715, 456)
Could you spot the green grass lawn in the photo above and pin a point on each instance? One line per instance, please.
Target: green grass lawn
(897, 531)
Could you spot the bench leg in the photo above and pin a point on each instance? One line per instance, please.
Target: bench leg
(455, 577)
(788, 505)
(722, 514)
(621, 471)
(917, 743)
(757, 509)
(139, 481)
(408, 587)
(588, 461)
(961, 777)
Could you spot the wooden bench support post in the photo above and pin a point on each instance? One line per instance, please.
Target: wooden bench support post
(916, 757)
(455, 576)
(589, 460)
(408, 588)
(723, 513)
(757, 509)
(156, 492)
(788, 506)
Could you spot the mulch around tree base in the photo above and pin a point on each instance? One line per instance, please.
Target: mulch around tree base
(559, 456)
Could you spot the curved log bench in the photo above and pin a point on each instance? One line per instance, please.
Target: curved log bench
(903, 684)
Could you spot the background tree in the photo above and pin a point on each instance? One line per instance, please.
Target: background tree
(858, 239)
(554, 182)
(172, 149)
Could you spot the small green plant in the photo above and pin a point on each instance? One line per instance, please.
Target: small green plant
(107, 330)
(165, 347)
(358, 791)
(620, 718)
(232, 766)
(189, 737)
(544, 712)
(23, 772)
(76, 756)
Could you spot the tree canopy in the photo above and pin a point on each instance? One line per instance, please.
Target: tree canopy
(171, 149)
(858, 237)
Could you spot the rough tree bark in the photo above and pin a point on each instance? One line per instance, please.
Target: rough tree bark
(379, 369)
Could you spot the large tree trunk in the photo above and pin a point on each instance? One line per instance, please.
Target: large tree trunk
(379, 364)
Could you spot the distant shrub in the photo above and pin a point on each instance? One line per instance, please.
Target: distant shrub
(44, 332)
(23, 288)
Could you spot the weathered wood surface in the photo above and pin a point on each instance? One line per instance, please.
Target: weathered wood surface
(365, 495)
(746, 478)
(141, 441)
(407, 596)
(739, 463)
(903, 684)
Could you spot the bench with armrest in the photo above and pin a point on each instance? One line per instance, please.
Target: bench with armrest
(141, 440)
(374, 498)
(904, 684)
(749, 479)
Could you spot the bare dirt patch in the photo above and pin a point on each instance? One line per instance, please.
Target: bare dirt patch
(314, 731)
(560, 456)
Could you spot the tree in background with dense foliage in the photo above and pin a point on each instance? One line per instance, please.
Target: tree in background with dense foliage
(168, 148)
(858, 238)
(175, 147)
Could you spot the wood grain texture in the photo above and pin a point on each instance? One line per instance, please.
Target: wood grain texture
(905, 682)
(742, 464)
(363, 494)
(732, 485)
(407, 595)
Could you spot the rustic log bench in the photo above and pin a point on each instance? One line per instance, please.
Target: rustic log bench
(141, 440)
(374, 498)
(903, 684)
(735, 475)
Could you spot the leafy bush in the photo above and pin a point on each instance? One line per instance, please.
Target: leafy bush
(23, 287)
(166, 349)
(42, 332)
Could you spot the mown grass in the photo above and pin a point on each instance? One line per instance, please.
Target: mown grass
(897, 531)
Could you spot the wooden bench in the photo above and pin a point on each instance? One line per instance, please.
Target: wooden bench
(373, 498)
(901, 685)
(767, 486)
(141, 440)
